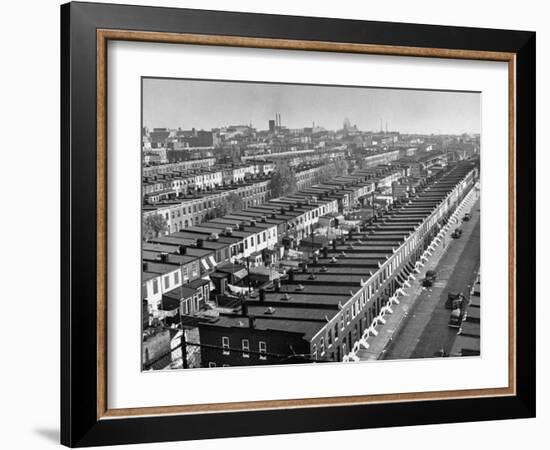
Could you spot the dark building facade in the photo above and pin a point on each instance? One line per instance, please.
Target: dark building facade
(247, 341)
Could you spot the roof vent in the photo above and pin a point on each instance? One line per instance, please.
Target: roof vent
(300, 287)
(286, 297)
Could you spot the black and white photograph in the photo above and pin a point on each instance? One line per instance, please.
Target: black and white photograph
(299, 223)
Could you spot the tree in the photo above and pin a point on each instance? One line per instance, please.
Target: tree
(341, 167)
(283, 181)
(228, 205)
(153, 225)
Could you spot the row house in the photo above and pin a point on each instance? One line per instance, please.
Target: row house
(236, 173)
(401, 241)
(173, 269)
(189, 210)
(320, 312)
(181, 166)
(250, 238)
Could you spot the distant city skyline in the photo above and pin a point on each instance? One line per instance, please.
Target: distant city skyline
(200, 104)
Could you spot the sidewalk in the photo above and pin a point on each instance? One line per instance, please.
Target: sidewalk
(378, 345)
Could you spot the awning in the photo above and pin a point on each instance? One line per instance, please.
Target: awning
(401, 278)
(237, 289)
(205, 264)
(240, 274)
(212, 261)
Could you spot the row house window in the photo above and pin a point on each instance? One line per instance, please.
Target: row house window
(263, 350)
(225, 345)
(246, 348)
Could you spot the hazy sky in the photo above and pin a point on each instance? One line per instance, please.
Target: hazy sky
(210, 104)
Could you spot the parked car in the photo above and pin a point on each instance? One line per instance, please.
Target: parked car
(456, 318)
(454, 300)
(456, 233)
(429, 279)
(467, 217)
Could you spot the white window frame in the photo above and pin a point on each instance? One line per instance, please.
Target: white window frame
(225, 345)
(245, 348)
(262, 347)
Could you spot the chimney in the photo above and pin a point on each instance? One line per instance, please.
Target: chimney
(251, 322)
(334, 245)
(200, 243)
(304, 267)
(163, 257)
(244, 308)
(277, 284)
(262, 295)
(291, 275)
(144, 266)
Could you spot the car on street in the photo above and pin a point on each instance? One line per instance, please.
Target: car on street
(429, 278)
(456, 233)
(467, 217)
(456, 318)
(454, 300)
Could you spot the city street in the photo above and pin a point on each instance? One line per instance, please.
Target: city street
(425, 331)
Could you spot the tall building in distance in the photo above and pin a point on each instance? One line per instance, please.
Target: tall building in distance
(272, 126)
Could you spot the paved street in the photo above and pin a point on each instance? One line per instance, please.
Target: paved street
(424, 332)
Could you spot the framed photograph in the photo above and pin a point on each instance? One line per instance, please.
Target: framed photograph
(276, 224)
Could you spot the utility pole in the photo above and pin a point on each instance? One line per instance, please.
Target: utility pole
(372, 204)
(248, 273)
(184, 348)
